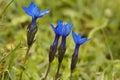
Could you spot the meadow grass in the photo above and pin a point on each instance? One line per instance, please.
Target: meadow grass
(99, 58)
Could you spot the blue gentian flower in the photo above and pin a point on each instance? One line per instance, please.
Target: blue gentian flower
(35, 13)
(65, 32)
(58, 32)
(58, 29)
(66, 29)
(78, 41)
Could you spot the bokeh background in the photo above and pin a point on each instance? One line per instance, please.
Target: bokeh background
(99, 58)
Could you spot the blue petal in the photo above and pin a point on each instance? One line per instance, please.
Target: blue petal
(79, 36)
(34, 11)
(59, 27)
(42, 13)
(60, 22)
(32, 5)
(59, 30)
(74, 36)
(63, 30)
(68, 29)
(83, 40)
(53, 28)
(27, 11)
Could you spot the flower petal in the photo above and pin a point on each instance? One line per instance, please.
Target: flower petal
(27, 11)
(60, 22)
(53, 28)
(59, 27)
(83, 40)
(74, 36)
(32, 5)
(79, 36)
(66, 29)
(59, 30)
(42, 13)
(34, 11)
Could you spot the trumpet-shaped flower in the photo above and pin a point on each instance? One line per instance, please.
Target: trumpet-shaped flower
(34, 11)
(61, 30)
(58, 28)
(58, 32)
(78, 41)
(78, 38)
(66, 29)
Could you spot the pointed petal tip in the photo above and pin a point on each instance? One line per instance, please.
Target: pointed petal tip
(88, 39)
(42, 13)
(82, 41)
(32, 2)
(52, 26)
(27, 11)
(60, 22)
(48, 10)
(24, 8)
(70, 24)
(74, 35)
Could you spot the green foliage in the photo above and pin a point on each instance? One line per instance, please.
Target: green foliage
(97, 19)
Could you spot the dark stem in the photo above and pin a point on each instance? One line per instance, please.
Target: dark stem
(57, 73)
(53, 49)
(71, 75)
(55, 43)
(61, 52)
(6, 8)
(26, 57)
(74, 59)
(47, 71)
(63, 44)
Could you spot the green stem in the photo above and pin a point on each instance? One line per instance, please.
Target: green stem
(92, 32)
(26, 57)
(107, 44)
(5, 8)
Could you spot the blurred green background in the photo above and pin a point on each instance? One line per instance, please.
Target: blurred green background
(99, 58)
